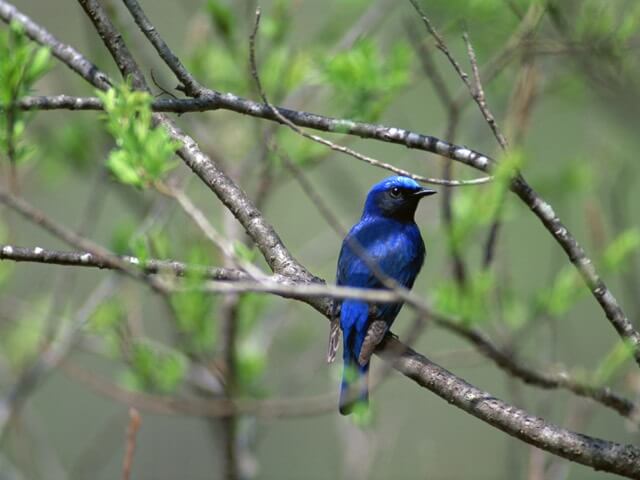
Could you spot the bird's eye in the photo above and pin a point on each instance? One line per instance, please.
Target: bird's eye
(394, 192)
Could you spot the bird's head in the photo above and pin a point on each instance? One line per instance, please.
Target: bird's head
(395, 197)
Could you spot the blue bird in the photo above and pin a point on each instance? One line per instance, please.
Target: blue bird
(386, 240)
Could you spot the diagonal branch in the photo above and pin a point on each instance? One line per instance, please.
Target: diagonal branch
(190, 86)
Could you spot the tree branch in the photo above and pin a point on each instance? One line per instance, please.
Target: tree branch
(87, 259)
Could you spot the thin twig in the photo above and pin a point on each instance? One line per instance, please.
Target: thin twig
(132, 434)
(225, 246)
(477, 91)
(189, 84)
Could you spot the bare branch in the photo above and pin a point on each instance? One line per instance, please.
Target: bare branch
(477, 92)
(189, 84)
(132, 434)
(114, 43)
(87, 259)
(601, 455)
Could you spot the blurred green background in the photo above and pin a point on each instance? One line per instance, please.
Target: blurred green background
(578, 141)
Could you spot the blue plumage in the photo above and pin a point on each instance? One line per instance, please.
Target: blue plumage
(386, 238)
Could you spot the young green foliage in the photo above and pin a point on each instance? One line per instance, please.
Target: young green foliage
(22, 63)
(155, 367)
(251, 354)
(251, 363)
(616, 254)
(22, 340)
(222, 17)
(617, 357)
(567, 287)
(365, 80)
(193, 309)
(563, 292)
(143, 153)
(107, 322)
(469, 303)
(475, 208)
(281, 66)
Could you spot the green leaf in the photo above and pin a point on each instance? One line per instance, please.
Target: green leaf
(23, 64)
(229, 74)
(364, 80)
(619, 355)
(616, 254)
(251, 360)
(121, 238)
(469, 303)
(156, 367)
(107, 323)
(143, 153)
(193, 309)
(277, 25)
(222, 18)
(40, 65)
(564, 292)
(24, 338)
(474, 208)
(120, 165)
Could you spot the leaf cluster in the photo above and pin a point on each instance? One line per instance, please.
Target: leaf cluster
(144, 152)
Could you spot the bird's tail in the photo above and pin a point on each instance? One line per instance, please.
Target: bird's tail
(354, 389)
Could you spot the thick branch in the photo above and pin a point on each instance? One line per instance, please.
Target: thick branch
(601, 455)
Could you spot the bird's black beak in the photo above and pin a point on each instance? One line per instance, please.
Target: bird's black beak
(425, 192)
